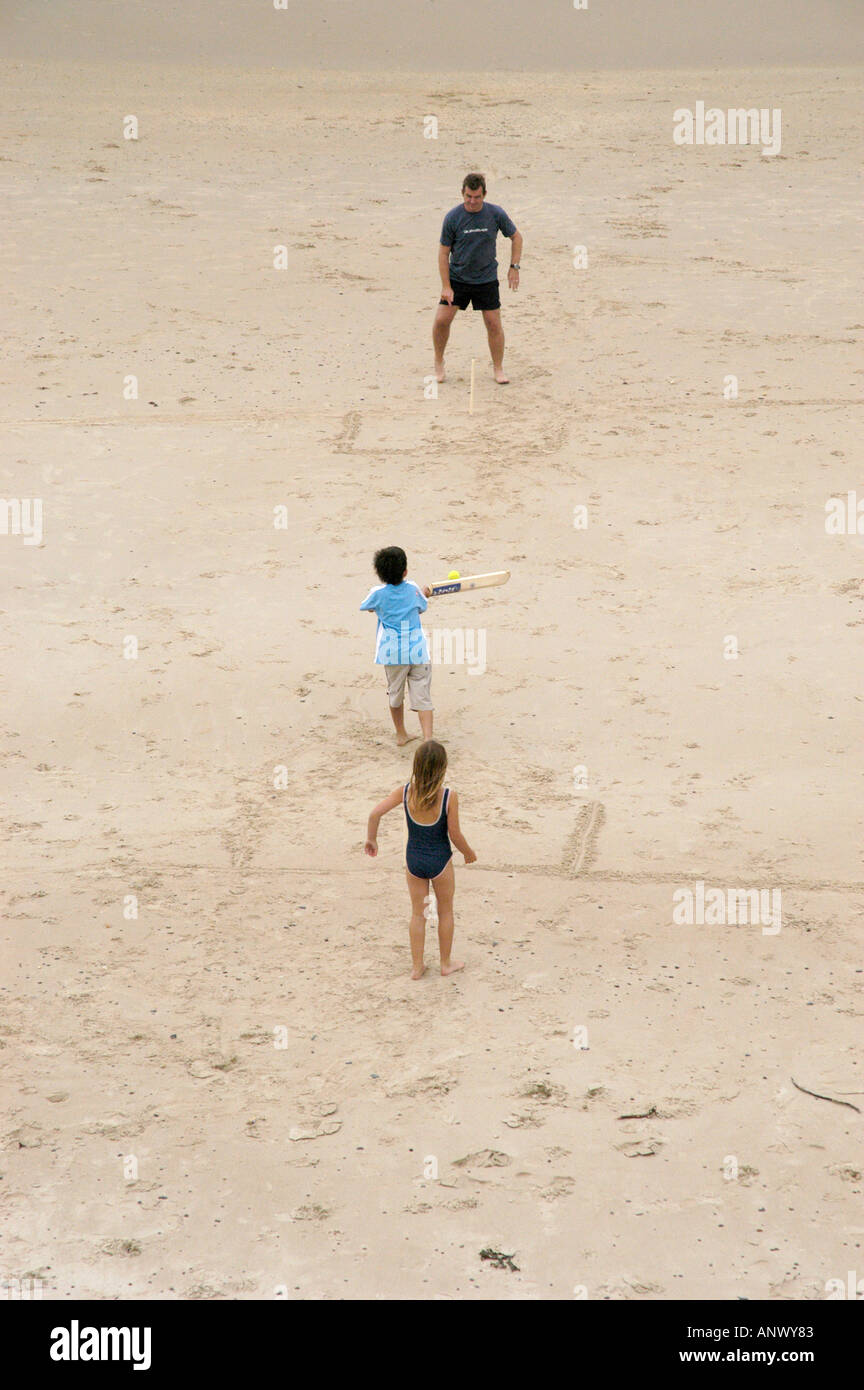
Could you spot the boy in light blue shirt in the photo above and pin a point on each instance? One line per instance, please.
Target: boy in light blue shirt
(401, 646)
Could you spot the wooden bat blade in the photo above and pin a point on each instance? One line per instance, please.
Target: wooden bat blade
(471, 581)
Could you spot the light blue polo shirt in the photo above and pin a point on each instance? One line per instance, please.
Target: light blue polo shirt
(401, 640)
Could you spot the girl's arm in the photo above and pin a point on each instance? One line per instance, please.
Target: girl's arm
(388, 804)
(455, 833)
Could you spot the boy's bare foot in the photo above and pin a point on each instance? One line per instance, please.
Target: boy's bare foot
(500, 377)
(402, 739)
(452, 966)
(416, 974)
(439, 370)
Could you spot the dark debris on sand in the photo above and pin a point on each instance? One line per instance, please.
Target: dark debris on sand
(499, 1260)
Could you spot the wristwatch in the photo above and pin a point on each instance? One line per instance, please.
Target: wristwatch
(514, 265)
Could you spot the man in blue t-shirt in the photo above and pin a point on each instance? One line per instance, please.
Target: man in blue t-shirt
(469, 270)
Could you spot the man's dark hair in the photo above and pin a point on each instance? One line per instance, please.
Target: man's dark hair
(474, 181)
(391, 564)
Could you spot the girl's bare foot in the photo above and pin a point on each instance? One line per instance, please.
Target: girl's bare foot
(402, 739)
(500, 377)
(439, 370)
(451, 966)
(416, 974)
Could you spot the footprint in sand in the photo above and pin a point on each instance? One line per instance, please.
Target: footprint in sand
(314, 1131)
(484, 1158)
(559, 1187)
(640, 1148)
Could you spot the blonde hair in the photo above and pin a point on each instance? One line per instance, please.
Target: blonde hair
(430, 765)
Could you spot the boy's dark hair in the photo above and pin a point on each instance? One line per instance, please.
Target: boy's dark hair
(474, 181)
(391, 564)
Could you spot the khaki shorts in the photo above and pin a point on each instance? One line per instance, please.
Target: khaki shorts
(419, 680)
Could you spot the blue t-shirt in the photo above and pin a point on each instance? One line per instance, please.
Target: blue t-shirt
(401, 639)
(471, 237)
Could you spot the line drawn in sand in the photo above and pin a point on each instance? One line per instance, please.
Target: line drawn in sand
(581, 843)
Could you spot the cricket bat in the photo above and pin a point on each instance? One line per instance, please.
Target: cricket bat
(472, 581)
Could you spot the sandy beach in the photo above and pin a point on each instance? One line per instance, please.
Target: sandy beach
(305, 1121)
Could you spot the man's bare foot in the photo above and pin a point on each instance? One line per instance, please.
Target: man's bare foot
(439, 370)
(500, 376)
(416, 974)
(402, 739)
(452, 966)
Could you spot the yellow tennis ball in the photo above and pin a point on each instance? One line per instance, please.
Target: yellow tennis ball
(454, 574)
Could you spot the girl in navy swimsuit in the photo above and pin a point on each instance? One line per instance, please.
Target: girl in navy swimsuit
(432, 818)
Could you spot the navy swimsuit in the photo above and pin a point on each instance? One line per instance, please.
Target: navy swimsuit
(429, 851)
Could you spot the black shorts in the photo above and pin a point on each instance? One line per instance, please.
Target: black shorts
(483, 296)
